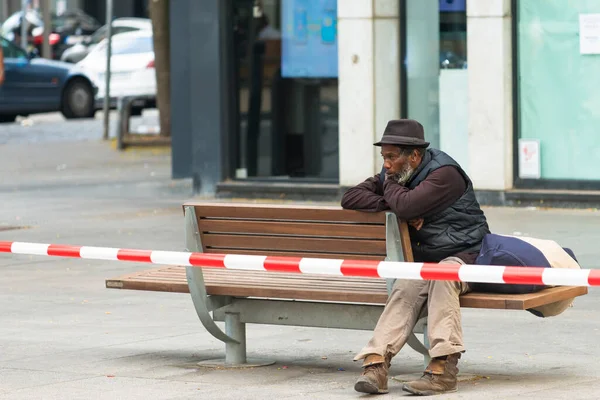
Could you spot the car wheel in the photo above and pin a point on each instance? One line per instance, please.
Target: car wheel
(78, 100)
(7, 118)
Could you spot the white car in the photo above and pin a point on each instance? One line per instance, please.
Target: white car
(132, 68)
(81, 49)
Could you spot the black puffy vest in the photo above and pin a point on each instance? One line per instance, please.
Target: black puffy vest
(459, 228)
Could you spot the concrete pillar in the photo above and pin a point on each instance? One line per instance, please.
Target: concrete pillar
(369, 82)
(489, 46)
(200, 93)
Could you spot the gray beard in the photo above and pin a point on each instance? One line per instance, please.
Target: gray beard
(404, 176)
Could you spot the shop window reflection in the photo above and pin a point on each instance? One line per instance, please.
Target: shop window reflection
(287, 126)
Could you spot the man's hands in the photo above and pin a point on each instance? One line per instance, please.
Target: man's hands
(416, 223)
(366, 196)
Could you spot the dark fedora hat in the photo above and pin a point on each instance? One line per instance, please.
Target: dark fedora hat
(404, 132)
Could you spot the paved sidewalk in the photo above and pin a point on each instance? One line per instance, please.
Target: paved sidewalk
(54, 128)
(63, 335)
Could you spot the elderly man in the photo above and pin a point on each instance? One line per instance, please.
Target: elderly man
(430, 190)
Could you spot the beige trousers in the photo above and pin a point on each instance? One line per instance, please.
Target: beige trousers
(411, 300)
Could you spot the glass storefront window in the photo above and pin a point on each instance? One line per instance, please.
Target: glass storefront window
(558, 96)
(286, 69)
(453, 34)
(436, 76)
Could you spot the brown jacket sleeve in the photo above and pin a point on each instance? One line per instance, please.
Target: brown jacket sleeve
(438, 191)
(366, 196)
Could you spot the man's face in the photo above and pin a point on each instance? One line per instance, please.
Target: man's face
(398, 166)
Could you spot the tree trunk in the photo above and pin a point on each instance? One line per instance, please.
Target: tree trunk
(159, 12)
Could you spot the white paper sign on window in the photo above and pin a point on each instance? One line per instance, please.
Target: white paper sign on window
(589, 33)
(529, 159)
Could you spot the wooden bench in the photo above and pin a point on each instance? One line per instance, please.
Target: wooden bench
(239, 297)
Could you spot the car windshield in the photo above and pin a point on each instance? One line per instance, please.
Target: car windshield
(10, 50)
(99, 35)
(73, 19)
(135, 45)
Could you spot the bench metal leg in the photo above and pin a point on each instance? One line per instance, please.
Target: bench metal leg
(195, 279)
(426, 356)
(234, 336)
(417, 346)
(235, 352)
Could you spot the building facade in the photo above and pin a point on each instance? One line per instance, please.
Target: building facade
(95, 8)
(282, 96)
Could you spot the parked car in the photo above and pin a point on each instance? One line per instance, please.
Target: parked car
(80, 50)
(36, 85)
(132, 68)
(73, 26)
(67, 28)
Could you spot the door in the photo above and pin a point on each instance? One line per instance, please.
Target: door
(285, 73)
(13, 98)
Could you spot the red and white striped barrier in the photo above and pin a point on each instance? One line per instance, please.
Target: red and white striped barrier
(353, 268)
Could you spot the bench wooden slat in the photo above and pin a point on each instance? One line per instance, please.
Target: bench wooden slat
(524, 301)
(314, 283)
(178, 273)
(317, 288)
(285, 213)
(293, 228)
(269, 244)
(336, 256)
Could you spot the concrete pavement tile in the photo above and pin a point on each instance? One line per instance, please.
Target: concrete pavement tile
(536, 397)
(12, 379)
(112, 388)
(572, 391)
(507, 386)
(157, 351)
(294, 389)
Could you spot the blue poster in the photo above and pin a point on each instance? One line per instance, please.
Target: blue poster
(309, 39)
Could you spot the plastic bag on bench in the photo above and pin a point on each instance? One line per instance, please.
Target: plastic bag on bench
(525, 252)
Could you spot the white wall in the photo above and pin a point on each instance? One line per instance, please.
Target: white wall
(369, 82)
(490, 94)
(369, 91)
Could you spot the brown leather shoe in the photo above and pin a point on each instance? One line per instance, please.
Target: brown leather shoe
(374, 379)
(438, 378)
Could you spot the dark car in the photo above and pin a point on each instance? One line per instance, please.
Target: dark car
(35, 85)
(68, 28)
(73, 26)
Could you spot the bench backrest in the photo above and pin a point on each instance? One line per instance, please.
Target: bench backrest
(294, 231)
